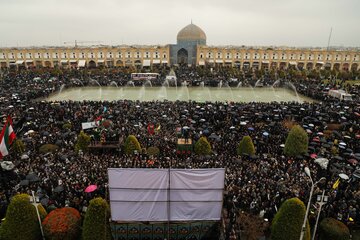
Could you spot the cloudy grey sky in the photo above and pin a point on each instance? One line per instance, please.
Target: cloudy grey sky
(226, 22)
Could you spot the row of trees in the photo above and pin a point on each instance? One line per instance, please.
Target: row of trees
(21, 221)
(296, 144)
(291, 73)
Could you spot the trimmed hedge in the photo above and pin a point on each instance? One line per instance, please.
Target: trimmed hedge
(96, 223)
(153, 151)
(288, 221)
(131, 144)
(202, 147)
(18, 146)
(67, 125)
(296, 142)
(42, 212)
(46, 148)
(21, 221)
(246, 146)
(333, 229)
(62, 224)
(106, 123)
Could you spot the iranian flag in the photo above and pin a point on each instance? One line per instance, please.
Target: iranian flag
(6, 138)
(98, 120)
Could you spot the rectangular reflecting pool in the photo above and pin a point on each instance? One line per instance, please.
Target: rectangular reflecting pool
(183, 93)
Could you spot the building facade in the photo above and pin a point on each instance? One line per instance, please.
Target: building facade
(279, 58)
(190, 49)
(66, 57)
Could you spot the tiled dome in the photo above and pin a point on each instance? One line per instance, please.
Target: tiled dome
(191, 32)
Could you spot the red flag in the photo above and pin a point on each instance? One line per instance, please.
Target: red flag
(151, 129)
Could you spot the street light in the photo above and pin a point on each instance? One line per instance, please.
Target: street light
(34, 201)
(321, 200)
(308, 173)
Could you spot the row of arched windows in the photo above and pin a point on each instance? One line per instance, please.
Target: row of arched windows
(279, 56)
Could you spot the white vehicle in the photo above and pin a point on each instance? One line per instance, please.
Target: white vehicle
(340, 94)
(144, 76)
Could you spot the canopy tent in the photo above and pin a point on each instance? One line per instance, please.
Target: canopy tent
(146, 63)
(81, 63)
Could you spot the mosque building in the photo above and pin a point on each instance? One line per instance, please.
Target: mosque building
(188, 40)
(190, 49)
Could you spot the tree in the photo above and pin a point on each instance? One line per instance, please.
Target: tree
(18, 146)
(287, 223)
(333, 229)
(62, 224)
(131, 144)
(21, 221)
(96, 223)
(282, 74)
(202, 147)
(296, 142)
(83, 141)
(246, 146)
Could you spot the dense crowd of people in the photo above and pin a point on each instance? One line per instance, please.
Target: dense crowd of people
(256, 184)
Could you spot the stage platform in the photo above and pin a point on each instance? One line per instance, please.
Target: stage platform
(184, 146)
(106, 145)
(182, 141)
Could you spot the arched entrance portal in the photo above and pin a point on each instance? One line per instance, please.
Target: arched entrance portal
(92, 64)
(182, 56)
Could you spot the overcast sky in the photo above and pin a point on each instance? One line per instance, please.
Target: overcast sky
(225, 22)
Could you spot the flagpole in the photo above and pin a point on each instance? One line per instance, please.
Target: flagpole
(169, 202)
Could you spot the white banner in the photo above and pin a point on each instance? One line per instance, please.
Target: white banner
(87, 125)
(149, 194)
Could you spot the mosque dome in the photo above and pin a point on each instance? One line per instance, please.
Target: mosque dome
(191, 32)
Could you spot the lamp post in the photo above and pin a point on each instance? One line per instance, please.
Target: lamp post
(321, 200)
(308, 173)
(34, 202)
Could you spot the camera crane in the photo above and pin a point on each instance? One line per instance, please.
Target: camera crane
(82, 42)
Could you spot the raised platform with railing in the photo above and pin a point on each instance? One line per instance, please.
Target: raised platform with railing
(107, 144)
